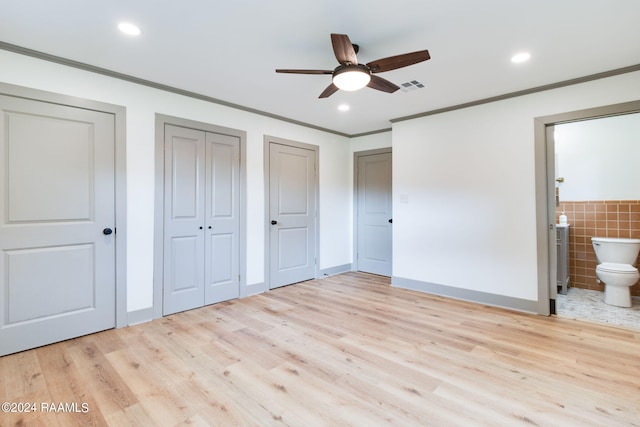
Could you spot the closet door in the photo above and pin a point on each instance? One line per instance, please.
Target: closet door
(202, 218)
(183, 219)
(222, 281)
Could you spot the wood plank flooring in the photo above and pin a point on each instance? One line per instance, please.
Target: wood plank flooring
(345, 350)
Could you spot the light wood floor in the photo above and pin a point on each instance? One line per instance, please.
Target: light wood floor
(346, 350)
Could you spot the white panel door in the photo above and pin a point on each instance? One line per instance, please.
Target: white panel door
(201, 211)
(374, 204)
(292, 187)
(57, 213)
(184, 219)
(222, 280)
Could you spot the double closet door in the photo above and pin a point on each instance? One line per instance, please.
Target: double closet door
(201, 218)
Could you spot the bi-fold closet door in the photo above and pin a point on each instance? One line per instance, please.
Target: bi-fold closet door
(201, 218)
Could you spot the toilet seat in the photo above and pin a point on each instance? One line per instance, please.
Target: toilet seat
(612, 267)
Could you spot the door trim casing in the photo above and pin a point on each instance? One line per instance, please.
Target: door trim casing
(545, 189)
(267, 253)
(120, 171)
(158, 247)
(356, 156)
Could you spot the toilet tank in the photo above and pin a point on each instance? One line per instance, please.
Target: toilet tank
(622, 251)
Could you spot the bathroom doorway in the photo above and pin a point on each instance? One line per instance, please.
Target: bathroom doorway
(584, 153)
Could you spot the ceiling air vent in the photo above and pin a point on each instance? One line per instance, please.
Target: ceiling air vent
(412, 85)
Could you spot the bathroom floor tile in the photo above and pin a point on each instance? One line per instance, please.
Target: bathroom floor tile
(583, 304)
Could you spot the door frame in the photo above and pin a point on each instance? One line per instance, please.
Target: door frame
(158, 247)
(545, 192)
(356, 156)
(267, 192)
(120, 174)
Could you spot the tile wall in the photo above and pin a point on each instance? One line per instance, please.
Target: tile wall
(610, 218)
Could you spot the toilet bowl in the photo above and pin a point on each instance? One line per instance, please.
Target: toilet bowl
(617, 279)
(616, 268)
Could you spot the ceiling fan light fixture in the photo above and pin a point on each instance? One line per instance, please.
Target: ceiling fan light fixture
(351, 77)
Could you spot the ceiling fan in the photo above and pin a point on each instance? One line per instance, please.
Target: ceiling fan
(350, 75)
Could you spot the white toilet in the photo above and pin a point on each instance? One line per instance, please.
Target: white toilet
(616, 268)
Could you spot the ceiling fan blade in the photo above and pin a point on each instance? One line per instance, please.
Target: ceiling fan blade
(343, 49)
(398, 61)
(330, 90)
(384, 85)
(304, 71)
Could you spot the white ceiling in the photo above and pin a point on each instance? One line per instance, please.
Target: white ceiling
(228, 50)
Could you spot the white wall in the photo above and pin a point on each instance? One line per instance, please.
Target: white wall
(371, 142)
(470, 182)
(599, 159)
(142, 103)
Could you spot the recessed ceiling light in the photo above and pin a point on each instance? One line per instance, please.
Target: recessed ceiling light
(129, 28)
(343, 107)
(520, 57)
